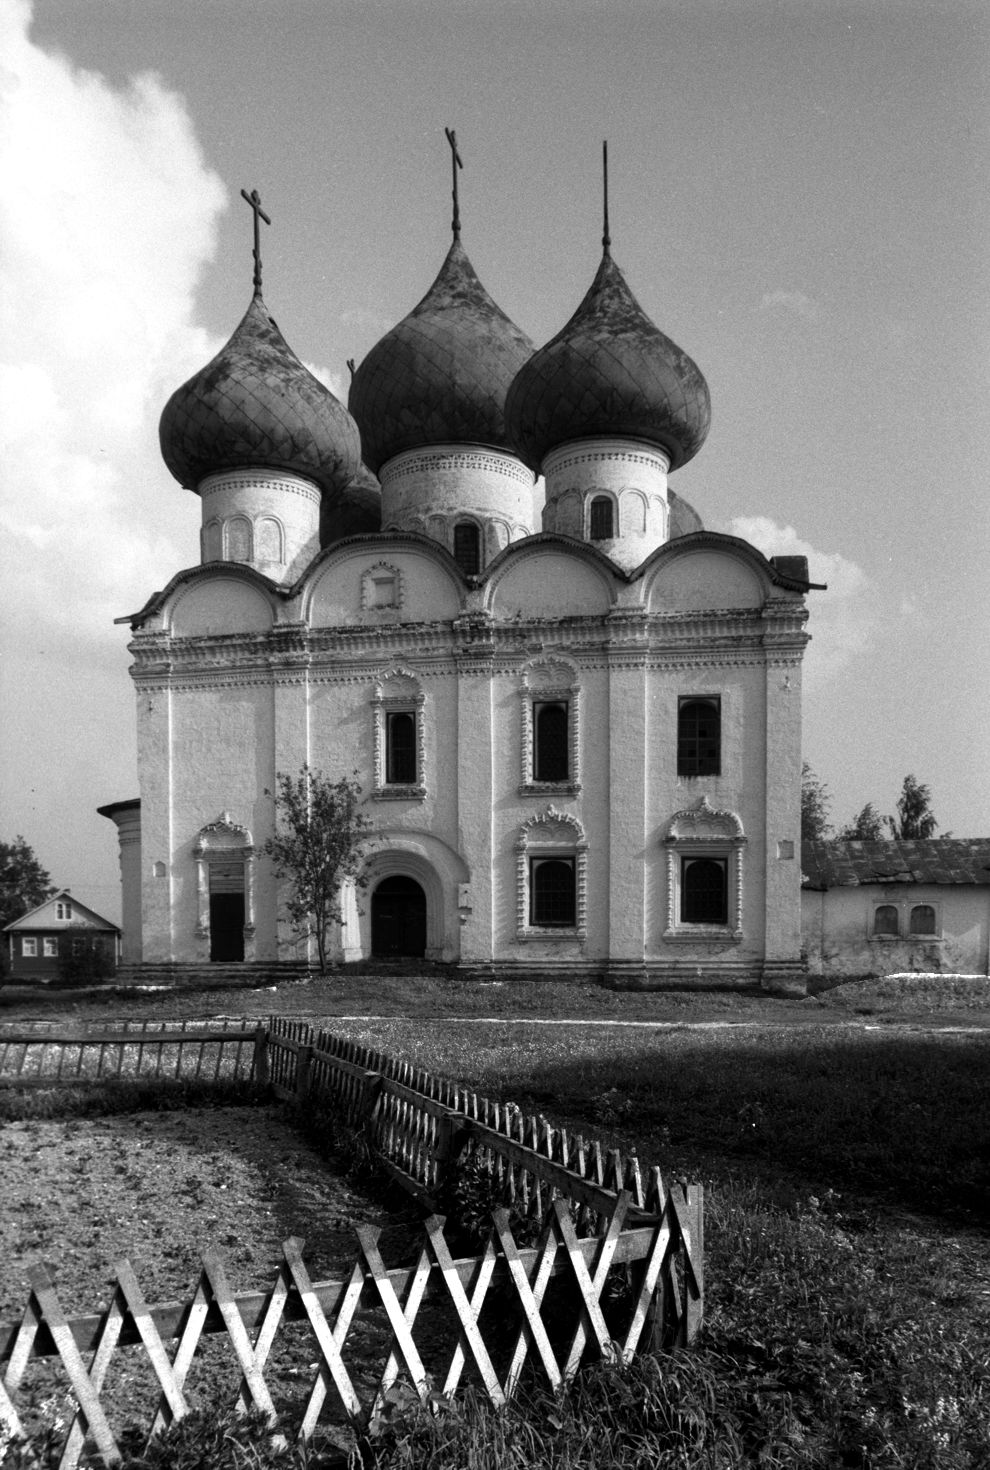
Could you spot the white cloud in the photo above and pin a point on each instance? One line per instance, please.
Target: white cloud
(796, 302)
(108, 213)
(844, 619)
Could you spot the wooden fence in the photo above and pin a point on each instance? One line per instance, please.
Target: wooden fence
(38, 1056)
(618, 1263)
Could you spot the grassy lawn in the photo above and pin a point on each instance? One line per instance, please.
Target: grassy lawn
(847, 1175)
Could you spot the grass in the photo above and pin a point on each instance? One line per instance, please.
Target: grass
(847, 1175)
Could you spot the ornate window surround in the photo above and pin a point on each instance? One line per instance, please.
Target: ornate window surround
(223, 841)
(532, 693)
(403, 697)
(704, 831)
(378, 572)
(551, 833)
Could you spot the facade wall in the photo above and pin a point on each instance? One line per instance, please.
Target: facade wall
(312, 678)
(838, 930)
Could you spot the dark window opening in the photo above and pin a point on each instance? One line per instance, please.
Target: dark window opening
(699, 737)
(602, 513)
(922, 920)
(885, 920)
(704, 891)
(551, 740)
(400, 758)
(467, 548)
(552, 893)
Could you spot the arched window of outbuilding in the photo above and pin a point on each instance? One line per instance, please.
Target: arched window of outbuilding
(467, 548)
(602, 518)
(885, 919)
(922, 919)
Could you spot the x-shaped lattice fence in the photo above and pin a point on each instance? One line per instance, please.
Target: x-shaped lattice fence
(662, 1284)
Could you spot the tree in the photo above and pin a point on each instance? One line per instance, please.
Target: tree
(815, 803)
(85, 957)
(319, 831)
(24, 884)
(915, 819)
(867, 826)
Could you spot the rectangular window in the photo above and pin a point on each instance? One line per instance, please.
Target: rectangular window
(383, 590)
(551, 741)
(699, 736)
(50, 948)
(400, 749)
(29, 947)
(63, 911)
(552, 894)
(704, 890)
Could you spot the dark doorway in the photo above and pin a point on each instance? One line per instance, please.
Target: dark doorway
(398, 919)
(227, 927)
(227, 912)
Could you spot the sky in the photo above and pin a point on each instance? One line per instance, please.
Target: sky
(797, 197)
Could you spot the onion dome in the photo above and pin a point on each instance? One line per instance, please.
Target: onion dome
(358, 508)
(609, 373)
(441, 375)
(256, 406)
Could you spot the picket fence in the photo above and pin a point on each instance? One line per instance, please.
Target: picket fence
(617, 1265)
(42, 1056)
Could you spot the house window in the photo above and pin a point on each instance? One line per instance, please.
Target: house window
(63, 911)
(467, 547)
(922, 921)
(885, 920)
(602, 518)
(400, 748)
(50, 947)
(552, 892)
(29, 948)
(551, 741)
(699, 736)
(704, 890)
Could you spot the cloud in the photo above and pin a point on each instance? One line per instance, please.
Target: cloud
(844, 620)
(795, 302)
(108, 214)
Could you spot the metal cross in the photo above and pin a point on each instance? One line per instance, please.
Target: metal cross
(254, 199)
(455, 164)
(606, 237)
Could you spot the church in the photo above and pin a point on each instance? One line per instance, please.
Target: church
(575, 714)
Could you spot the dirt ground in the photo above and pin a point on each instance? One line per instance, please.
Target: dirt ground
(159, 1189)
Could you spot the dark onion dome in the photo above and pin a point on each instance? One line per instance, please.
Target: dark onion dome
(358, 508)
(441, 375)
(256, 406)
(610, 371)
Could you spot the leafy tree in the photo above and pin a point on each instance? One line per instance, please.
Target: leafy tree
(867, 826)
(23, 881)
(915, 818)
(815, 803)
(319, 831)
(85, 957)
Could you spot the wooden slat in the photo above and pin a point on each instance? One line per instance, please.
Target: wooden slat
(87, 1397)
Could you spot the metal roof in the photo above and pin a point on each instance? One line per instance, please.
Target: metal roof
(935, 860)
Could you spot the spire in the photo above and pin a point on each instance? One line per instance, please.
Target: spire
(606, 237)
(254, 199)
(455, 164)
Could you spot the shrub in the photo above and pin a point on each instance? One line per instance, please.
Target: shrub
(85, 957)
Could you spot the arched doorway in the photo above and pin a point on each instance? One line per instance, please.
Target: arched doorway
(398, 919)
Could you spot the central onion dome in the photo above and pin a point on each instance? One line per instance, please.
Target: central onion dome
(441, 375)
(609, 373)
(256, 406)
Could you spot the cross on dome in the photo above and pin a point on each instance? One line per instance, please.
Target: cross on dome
(254, 199)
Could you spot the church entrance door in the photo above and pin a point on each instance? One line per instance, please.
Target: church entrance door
(398, 919)
(227, 913)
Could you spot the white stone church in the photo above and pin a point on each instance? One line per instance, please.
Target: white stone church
(575, 713)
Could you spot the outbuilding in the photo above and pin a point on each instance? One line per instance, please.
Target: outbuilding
(40, 940)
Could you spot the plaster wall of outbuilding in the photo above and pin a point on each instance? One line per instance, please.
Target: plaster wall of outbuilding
(837, 927)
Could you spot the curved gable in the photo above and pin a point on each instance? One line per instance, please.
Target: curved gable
(382, 581)
(217, 604)
(706, 571)
(543, 580)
